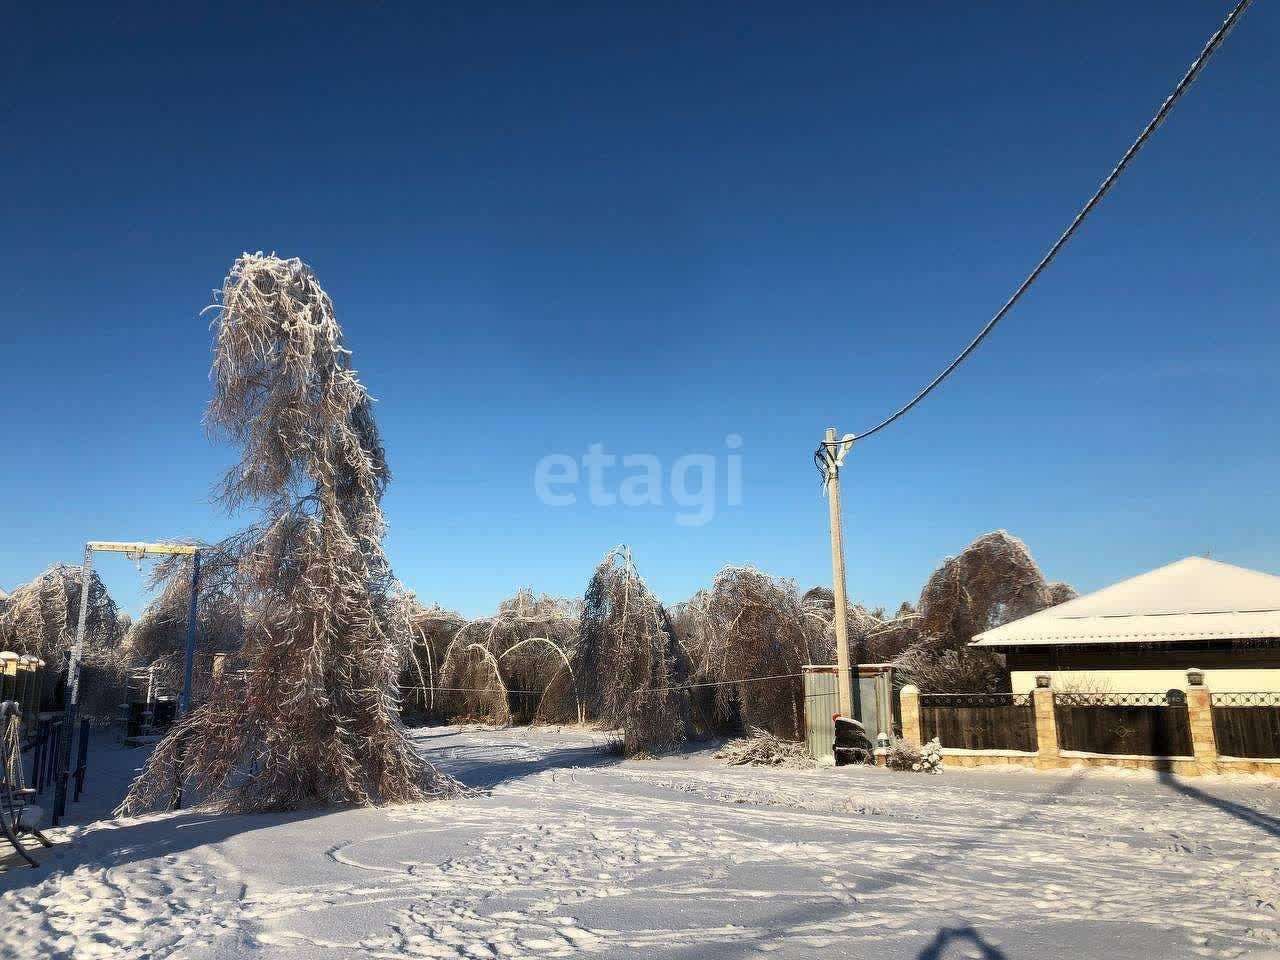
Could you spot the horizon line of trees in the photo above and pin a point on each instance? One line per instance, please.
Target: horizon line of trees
(540, 658)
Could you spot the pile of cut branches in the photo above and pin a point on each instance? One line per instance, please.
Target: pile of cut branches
(760, 748)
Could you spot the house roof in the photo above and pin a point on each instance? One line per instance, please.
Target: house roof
(1192, 599)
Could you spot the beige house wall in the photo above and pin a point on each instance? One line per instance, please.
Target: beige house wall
(1249, 680)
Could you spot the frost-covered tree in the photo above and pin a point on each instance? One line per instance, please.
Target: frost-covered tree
(308, 713)
(627, 658)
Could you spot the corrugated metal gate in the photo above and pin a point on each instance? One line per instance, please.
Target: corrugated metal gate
(822, 703)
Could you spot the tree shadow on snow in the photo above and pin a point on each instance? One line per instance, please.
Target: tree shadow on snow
(119, 843)
(482, 770)
(781, 928)
(1240, 811)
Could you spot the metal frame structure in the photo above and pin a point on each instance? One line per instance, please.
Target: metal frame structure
(134, 550)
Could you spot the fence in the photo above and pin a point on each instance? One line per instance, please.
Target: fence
(1145, 724)
(43, 746)
(979, 721)
(1247, 724)
(1188, 732)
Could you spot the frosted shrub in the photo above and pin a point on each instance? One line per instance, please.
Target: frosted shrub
(905, 755)
(930, 757)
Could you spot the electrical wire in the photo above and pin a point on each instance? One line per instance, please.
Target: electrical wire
(1192, 72)
(686, 686)
(722, 683)
(533, 693)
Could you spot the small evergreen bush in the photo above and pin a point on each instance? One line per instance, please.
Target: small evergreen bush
(905, 755)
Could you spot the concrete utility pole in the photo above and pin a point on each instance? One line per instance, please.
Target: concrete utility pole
(833, 455)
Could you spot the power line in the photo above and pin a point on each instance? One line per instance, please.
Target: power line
(1183, 85)
(470, 689)
(686, 686)
(721, 683)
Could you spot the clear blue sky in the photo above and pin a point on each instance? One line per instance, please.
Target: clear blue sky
(651, 226)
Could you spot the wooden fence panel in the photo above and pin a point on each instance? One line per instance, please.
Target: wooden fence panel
(979, 721)
(1247, 724)
(1140, 724)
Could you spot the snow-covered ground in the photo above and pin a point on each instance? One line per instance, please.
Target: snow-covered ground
(569, 852)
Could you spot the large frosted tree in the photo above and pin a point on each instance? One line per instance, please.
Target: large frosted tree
(628, 659)
(306, 712)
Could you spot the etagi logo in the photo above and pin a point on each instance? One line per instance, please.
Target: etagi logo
(637, 480)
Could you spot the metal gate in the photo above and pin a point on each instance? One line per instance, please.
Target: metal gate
(822, 703)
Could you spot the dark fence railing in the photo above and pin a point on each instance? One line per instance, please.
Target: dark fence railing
(1247, 724)
(43, 747)
(1143, 724)
(979, 721)
(44, 753)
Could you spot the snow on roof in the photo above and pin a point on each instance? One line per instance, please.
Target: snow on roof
(1192, 599)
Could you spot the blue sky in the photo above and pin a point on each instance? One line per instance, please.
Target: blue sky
(651, 226)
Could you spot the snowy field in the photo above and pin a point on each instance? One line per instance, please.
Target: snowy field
(569, 852)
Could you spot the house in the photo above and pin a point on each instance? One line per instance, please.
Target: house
(1141, 635)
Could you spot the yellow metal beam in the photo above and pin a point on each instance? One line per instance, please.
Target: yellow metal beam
(142, 549)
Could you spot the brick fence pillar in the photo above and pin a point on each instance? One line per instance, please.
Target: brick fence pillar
(1046, 723)
(909, 699)
(1200, 715)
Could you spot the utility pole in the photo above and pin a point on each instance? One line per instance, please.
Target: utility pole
(833, 456)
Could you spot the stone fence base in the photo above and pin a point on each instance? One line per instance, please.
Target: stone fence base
(1049, 756)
